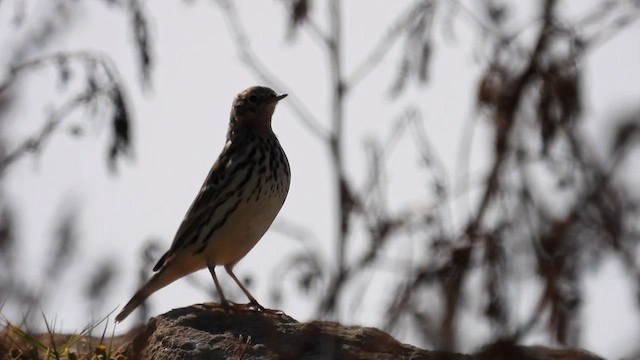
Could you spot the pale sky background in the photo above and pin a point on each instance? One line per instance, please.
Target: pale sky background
(180, 125)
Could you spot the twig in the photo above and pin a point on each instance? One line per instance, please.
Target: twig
(505, 119)
(313, 29)
(345, 197)
(87, 57)
(90, 60)
(381, 49)
(35, 142)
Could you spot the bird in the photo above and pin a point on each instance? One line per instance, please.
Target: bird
(237, 203)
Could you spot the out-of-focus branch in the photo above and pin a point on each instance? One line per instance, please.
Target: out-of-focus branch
(381, 49)
(63, 60)
(381, 225)
(37, 141)
(248, 57)
(142, 38)
(607, 18)
(108, 88)
(505, 118)
(344, 196)
(299, 15)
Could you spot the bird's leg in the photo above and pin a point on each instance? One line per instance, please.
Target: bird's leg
(252, 301)
(223, 300)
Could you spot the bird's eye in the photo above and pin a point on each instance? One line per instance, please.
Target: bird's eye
(253, 99)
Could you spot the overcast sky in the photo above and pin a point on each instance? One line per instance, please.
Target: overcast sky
(180, 124)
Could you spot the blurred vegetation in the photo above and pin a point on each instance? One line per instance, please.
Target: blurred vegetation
(16, 343)
(530, 96)
(89, 84)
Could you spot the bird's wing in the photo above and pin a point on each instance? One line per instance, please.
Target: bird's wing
(212, 194)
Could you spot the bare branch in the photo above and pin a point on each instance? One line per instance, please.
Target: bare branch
(88, 58)
(37, 141)
(310, 25)
(140, 30)
(381, 49)
(109, 88)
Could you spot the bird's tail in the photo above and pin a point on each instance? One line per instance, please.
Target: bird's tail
(135, 301)
(164, 277)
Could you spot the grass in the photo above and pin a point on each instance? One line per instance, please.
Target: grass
(17, 343)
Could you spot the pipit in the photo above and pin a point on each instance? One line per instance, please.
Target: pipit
(240, 198)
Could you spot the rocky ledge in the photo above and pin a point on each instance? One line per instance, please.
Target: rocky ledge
(206, 331)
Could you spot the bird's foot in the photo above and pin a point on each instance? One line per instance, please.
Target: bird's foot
(255, 306)
(230, 307)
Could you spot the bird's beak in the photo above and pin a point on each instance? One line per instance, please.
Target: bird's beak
(280, 97)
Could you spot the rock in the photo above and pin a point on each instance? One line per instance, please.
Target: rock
(206, 331)
(506, 350)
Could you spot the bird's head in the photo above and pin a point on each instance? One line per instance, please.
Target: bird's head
(253, 108)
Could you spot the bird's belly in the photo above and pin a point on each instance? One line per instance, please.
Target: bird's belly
(244, 228)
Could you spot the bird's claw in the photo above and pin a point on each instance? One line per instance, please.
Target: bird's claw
(250, 306)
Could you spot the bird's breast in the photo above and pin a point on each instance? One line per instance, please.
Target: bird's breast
(263, 190)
